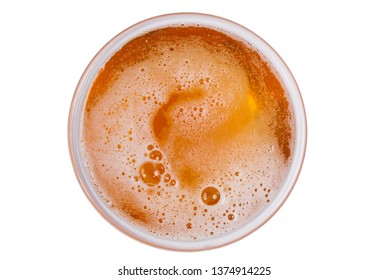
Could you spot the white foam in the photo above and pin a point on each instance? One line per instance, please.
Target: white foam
(217, 135)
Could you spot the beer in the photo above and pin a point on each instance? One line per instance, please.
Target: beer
(187, 132)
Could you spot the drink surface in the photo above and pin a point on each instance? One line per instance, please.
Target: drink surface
(187, 133)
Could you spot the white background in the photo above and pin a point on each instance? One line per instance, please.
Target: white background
(333, 226)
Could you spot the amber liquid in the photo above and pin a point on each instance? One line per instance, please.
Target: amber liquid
(187, 132)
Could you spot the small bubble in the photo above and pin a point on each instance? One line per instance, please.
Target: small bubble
(167, 178)
(210, 195)
(156, 155)
(150, 173)
(231, 217)
(188, 225)
(172, 182)
(150, 147)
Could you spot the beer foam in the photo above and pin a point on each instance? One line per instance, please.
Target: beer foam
(187, 133)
